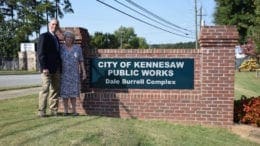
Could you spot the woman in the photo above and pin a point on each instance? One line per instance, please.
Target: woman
(72, 63)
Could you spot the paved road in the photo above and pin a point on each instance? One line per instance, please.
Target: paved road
(19, 80)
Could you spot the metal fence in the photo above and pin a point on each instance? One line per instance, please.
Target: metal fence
(9, 63)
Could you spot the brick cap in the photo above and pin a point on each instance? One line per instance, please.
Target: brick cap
(218, 36)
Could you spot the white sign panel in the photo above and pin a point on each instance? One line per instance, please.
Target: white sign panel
(25, 47)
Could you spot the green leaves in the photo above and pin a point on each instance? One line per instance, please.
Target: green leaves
(124, 37)
(27, 19)
(236, 12)
(256, 29)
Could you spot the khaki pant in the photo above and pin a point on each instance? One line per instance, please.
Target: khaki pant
(50, 90)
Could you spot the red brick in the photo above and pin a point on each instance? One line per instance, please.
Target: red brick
(210, 103)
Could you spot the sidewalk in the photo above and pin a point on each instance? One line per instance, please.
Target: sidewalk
(246, 131)
(18, 93)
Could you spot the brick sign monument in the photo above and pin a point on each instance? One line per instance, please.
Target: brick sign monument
(179, 85)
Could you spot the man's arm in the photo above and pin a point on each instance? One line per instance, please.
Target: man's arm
(42, 52)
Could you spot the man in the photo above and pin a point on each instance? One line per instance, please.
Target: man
(240, 56)
(249, 48)
(50, 66)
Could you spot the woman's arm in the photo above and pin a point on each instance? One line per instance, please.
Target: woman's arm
(82, 66)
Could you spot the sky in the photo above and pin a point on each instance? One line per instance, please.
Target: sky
(96, 17)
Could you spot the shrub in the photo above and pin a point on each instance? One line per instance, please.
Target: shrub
(247, 110)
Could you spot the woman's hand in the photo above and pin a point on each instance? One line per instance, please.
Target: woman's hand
(84, 76)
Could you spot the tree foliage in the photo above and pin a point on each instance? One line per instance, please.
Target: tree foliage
(256, 30)
(124, 37)
(181, 45)
(21, 18)
(236, 12)
(100, 40)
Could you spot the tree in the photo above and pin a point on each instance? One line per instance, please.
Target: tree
(181, 45)
(236, 12)
(56, 8)
(128, 38)
(142, 43)
(256, 29)
(100, 40)
(6, 41)
(122, 38)
(96, 40)
(24, 18)
(67, 7)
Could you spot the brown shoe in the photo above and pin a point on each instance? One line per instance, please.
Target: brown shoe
(41, 114)
(54, 113)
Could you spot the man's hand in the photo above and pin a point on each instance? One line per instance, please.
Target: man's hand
(45, 71)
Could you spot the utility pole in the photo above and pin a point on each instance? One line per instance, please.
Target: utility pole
(121, 39)
(56, 13)
(196, 26)
(202, 22)
(47, 19)
(200, 16)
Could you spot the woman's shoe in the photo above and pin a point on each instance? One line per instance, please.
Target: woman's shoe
(65, 114)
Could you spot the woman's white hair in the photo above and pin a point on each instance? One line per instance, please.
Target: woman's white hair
(69, 34)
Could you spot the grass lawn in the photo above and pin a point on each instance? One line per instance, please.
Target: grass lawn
(246, 84)
(19, 125)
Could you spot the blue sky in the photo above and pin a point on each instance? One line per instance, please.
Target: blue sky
(94, 16)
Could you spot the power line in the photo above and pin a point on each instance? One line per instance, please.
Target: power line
(154, 15)
(150, 17)
(138, 19)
